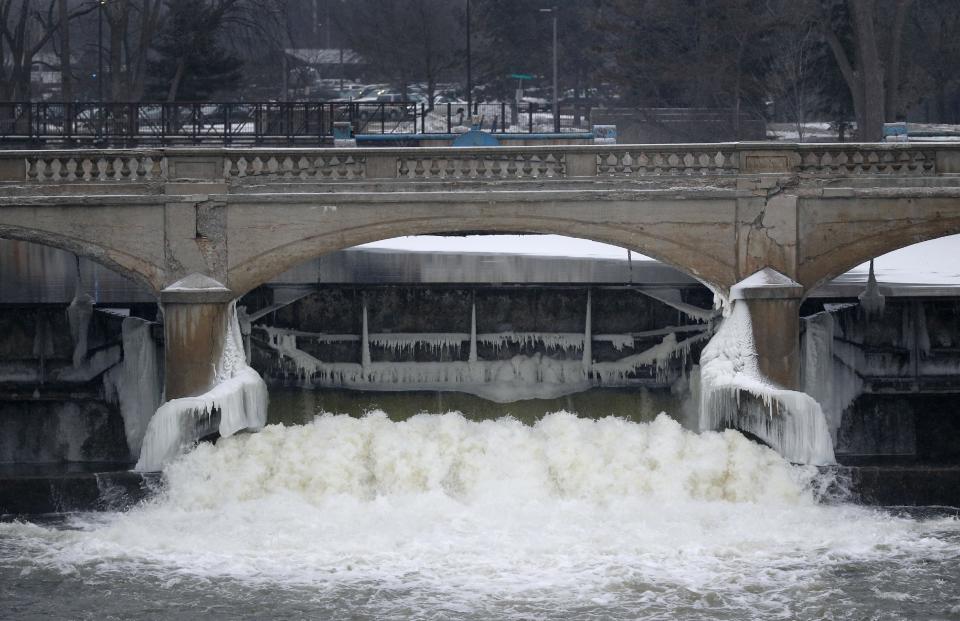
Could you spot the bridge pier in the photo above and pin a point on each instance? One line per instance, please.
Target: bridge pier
(774, 304)
(196, 316)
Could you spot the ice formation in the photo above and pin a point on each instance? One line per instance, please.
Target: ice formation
(671, 297)
(659, 356)
(530, 340)
(871, 300)
(519, 377)
(403, 343)
(135, 382)
(237, 402)
(79, 313)
(734, 393)
(829, 368)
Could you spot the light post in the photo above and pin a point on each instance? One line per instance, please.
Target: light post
(101, 4)
(556, 99)
(469, 74)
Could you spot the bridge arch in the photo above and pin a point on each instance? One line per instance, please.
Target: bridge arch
(128, 266)
(713, 272)
(843, 258)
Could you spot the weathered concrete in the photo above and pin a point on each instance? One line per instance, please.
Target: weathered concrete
(719, 212)
(194, 339)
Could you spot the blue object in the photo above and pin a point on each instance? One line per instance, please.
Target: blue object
(476, 138)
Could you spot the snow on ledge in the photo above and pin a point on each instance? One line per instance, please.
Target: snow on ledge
(766, 283)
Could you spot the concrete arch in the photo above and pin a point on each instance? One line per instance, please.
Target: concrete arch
(128, 266)
(714, 272)
(843, 258)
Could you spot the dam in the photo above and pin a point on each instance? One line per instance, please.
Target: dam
(354, 429)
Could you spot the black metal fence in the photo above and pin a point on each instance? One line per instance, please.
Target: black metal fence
(261, 123)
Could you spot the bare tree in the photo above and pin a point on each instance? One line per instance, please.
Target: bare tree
(26, 27)
(873, 80)
(407, 40)
(133, 27)
(791, 76)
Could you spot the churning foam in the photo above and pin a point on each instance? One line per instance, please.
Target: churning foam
(494, 518)
(561, 457)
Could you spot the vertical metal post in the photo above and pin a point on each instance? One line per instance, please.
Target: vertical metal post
(100, 51)
(469, 69)
(556, 99)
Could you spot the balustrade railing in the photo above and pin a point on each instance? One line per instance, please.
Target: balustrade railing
(480, 163)
(154, 123)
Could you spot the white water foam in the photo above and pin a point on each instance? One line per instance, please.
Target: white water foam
(492, 519)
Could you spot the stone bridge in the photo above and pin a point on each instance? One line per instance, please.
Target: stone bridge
(203, 226)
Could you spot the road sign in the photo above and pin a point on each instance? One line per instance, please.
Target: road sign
(521, 76)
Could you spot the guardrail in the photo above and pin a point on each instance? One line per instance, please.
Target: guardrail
(155, 123)
(438, 163)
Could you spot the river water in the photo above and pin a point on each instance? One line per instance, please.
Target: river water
(442, 517)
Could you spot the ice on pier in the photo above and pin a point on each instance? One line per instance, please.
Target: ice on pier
(829, 368)
(733, 393)
(135, 382)
(237, 402)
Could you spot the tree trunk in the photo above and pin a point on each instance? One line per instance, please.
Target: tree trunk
(118, 14)
(893, 65)
(66, 79)
(177, 78)
(871, 116)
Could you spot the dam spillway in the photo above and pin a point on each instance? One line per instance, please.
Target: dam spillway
(396, 475)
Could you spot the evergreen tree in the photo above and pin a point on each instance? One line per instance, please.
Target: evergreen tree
(191, 64)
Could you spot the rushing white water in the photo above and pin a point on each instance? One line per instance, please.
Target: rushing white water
(440, 517)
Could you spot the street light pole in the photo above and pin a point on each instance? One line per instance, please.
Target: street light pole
(469, 73)
(556, 99)
(100, 51)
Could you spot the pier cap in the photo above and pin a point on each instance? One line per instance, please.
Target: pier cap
(767, 283)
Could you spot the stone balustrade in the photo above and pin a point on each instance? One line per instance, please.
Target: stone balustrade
(482, 163)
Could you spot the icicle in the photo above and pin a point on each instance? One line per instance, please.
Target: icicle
(79, 314)
(365, 340)
(871, 300)
(473, 332)
(588, 337)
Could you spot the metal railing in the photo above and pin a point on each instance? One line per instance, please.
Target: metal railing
(154, 123)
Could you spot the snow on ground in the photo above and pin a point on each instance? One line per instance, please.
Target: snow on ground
(934, 262)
